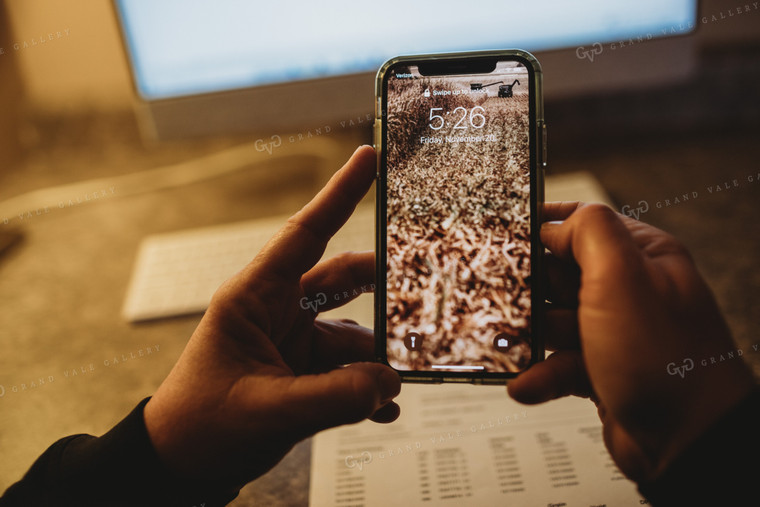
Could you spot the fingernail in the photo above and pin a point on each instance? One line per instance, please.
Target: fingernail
(359, 148)
(550, 226)
(389, 383)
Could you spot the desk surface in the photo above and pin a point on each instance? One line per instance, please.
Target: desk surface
(62, 286)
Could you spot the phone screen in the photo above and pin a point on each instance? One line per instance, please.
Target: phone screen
(457, 161)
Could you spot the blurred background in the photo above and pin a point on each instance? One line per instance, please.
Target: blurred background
(123, 121)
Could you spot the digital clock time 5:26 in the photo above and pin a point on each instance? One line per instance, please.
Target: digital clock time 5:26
(476, 119)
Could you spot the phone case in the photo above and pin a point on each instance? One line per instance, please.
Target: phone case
(537, 168)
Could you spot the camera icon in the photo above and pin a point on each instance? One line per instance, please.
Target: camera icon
(503, 342)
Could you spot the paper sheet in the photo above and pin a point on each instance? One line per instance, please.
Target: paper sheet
(470, 445)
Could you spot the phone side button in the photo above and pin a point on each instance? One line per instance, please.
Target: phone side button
(377, 133)
(543, 145)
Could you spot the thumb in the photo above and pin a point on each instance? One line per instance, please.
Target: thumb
(594, 237)
(341, 396)
(561, 374)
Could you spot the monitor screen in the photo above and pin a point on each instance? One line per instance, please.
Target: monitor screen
(179, 48)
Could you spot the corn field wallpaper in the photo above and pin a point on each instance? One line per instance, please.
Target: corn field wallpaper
(458, 222)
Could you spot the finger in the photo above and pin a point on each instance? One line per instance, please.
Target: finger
(301, 242)
(343, 396)
(597, 240)
(387, 414)
(641, 232)
(559, 210)
(563, 281)
(336, 281)
(656, 243)
(337, 342)
(561, 331)
(561, 374)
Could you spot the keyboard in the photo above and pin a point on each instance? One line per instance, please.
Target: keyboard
(177, 273)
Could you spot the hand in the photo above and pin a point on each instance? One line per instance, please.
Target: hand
(627, 300)
(260, 373)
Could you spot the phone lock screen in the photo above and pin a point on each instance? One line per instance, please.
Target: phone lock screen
(458, 195)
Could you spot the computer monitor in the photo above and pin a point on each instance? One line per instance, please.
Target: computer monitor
(232, 65)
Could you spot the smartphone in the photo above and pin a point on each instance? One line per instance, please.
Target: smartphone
(461, 145)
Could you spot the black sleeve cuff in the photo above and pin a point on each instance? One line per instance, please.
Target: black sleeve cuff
(120, 468)
(720, 468)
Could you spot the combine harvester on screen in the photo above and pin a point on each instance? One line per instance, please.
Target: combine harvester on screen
(505, 90)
